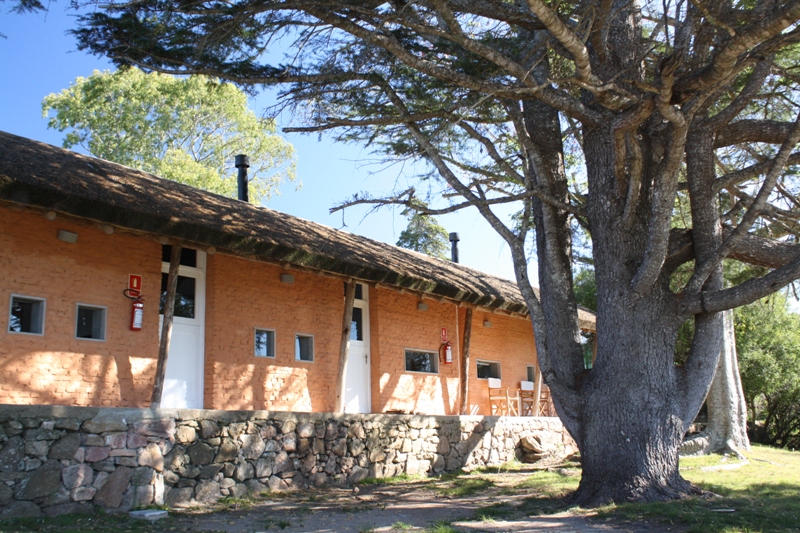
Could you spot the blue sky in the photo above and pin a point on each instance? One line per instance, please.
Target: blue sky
(37, 58)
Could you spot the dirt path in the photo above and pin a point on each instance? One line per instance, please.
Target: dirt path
(495, 503)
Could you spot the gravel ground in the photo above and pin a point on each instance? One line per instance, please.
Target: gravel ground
(409, 506)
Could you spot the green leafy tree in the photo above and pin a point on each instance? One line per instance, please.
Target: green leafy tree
(184, 129)
(509, 102)
(424, 234)
(768, 342)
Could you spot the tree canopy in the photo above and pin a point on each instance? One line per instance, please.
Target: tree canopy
(424, 234)
(184, 129)
(582, 115)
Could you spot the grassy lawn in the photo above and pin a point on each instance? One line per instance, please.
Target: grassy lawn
(760, 496)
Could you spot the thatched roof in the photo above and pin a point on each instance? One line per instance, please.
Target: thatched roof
(44, 176)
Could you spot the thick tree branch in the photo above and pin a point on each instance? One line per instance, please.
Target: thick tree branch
(754, 211)
(753, 131)
(750, 249)
(745, 96)
(744, 293)
(739, 176)
(726, 58)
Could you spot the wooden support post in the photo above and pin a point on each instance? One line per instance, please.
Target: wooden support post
(465, 363)
(344, 347)
(537, 390)
(166, 328)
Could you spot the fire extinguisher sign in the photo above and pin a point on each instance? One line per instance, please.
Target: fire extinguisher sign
(135, 283)
(444, 335)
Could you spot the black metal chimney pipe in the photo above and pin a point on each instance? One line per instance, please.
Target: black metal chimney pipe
(243, 163)
(454, 247)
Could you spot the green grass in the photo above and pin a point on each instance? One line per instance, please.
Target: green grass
(764, 495)
(441, 527)
(395, 480)
(465, 486)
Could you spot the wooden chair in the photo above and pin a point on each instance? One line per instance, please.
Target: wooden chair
(545, 403)
(501, 399)
(527, 400)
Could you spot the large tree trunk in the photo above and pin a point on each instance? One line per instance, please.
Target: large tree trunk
(632, 411)
(727, 409)
(634, 399)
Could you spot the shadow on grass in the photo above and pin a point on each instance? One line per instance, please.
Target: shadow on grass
(764, 508)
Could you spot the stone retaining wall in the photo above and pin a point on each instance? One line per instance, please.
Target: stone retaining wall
(57, 459)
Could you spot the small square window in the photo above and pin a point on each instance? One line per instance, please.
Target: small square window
(488, 369)
(91, 323)
(26, 315)
(265, 343)
(531, 373)
(422, 361)
(304, 347)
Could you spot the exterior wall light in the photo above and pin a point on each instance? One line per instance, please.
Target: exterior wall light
(67, 236)
(287, 278)
(422, 306)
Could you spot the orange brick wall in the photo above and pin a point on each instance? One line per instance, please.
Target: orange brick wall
(510, 342)
(401, 325)
(244, 295)
(241, 295)
(57, 368)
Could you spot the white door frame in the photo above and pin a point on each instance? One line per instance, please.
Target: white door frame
(199, 320)
(359, 349)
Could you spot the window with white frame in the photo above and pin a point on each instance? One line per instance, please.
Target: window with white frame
(26, 315)
(488, 369)
(304, 347)
(265, 343)
(422, 361)
(91, 322)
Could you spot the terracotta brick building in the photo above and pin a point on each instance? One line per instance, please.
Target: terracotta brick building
(259, 311)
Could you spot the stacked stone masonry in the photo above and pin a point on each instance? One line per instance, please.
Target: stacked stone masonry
(56, 460)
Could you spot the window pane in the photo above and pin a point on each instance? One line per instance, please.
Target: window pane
(184, 296)
(91, 323)
(422, 361)
(357, 325)
(188, 256)
(304, 348)
(265, 343)
(531, 373)
(488, 370)
(27, 315)
(359, 291)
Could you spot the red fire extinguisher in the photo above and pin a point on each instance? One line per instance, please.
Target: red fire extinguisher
(446, 353)
(137, 313)
(137, 308)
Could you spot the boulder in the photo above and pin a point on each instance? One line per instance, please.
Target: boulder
(20, 509)
(111, 494)
(201, 453)
(151, 456)
(77, 476)
(207, 491)
(41, 482)
(12, 454)
(65, 447)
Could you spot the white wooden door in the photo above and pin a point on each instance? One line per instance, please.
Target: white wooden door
(183, 383)
(357, 367)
